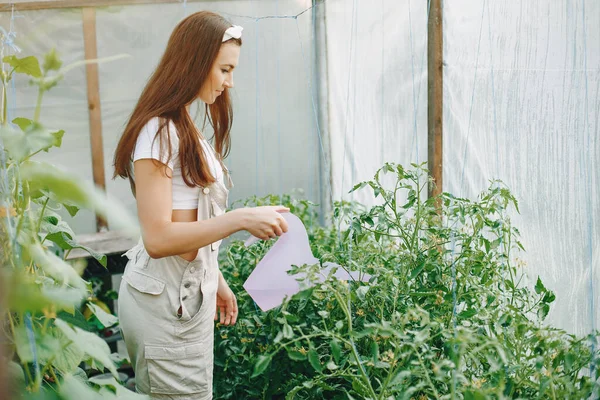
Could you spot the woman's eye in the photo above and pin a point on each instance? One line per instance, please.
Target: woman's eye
(224, 71)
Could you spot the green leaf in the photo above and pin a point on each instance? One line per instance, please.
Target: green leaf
(21, 144)
(369, 220)
(111, 388)
(22, 123)
(261, 365)
(361, 292)
(336, 350)
(415, 272)
(90, 343)
(375, 351)
(16, 376)
(288, 333)
(543, 311)
(106, 319)
(360, 388)
(68, 189)
(278, 337)
(296, 355)
(468, 313)
(549, 297)
(28, 294)
(27, 65)
(54, 267)
(58, 135)
(41, 195)
(332, 366)
(399, 377)
(313, 358)
(471, 395)
(357, 227)
(45, 345)
(52, 223)
(570, 359)
(487, 244)
(72, 210)
(72, 388)
(358, 186)
(69, 358)
(59, 232)
(76, 319)
(43, 176)
(51, 61)
(539, 286)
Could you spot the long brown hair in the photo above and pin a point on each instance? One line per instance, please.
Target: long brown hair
(192, 49)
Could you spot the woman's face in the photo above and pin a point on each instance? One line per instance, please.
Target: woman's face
(221, 73)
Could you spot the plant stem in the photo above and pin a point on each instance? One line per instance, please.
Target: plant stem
(38, 105)
(53, 374)
(13, 334)
(352, 345)
(4, 105)
(42, 216)
(426, 373)
(390, 375)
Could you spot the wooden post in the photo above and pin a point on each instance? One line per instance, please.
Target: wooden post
(93, 95)
(25, 5)
(435, 94)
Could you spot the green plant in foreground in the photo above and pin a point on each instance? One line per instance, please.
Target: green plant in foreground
(445, 315)
(45, 336)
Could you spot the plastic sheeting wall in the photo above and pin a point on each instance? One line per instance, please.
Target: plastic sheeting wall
(274, 139)
(377, 85)
(521, 104)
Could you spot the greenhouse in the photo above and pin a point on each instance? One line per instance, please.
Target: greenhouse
(300, 199)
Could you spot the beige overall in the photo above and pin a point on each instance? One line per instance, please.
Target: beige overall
(166, 311)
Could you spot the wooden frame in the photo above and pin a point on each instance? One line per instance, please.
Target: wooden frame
(24, 5)
(435, 94)
(93, 96)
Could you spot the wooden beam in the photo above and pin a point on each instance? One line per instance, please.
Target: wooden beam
(93, 95)
(25, 5)
(435, 94)
(110, 242)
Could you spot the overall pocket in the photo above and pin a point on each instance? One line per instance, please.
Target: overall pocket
(143, 283)
(177, 369)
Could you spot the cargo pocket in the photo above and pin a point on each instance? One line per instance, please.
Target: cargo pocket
(177, 369)
(143, 283)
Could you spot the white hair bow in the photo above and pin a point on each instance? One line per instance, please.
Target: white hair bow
(233, 32)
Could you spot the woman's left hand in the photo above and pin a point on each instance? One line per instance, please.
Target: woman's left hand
(226, 303)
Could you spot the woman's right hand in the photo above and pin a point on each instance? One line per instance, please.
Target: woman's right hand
(265, 222)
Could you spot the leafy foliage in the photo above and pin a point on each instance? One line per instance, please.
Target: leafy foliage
(47, 336)
(444, 316)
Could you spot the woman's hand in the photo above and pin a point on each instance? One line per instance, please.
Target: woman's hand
(265, 222)
(226, 303)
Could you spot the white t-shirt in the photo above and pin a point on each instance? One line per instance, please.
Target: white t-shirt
(184, 197)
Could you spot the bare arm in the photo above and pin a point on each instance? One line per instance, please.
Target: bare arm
(162, 237)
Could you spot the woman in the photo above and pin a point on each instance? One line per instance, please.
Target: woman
(172, 289)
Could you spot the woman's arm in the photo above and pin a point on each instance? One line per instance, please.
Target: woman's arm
(163, 238)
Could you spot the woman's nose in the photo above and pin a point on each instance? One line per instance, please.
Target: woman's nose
(229, 82)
